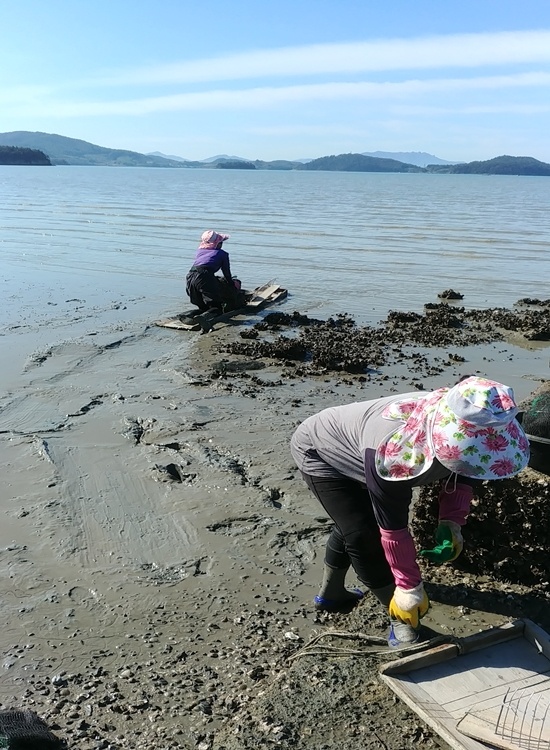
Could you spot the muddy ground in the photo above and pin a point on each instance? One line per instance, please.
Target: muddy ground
(160, 553)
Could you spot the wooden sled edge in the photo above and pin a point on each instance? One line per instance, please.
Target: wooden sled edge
(260, 298)
(268, 296)
(177, 324)
(484, 731)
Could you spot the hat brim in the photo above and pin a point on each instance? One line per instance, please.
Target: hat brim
(477, 452)
(406, 452)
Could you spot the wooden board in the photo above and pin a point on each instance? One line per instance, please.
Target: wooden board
(179, 324)
(520, 721)
(263, 294)
(493, 687)
(257, 299)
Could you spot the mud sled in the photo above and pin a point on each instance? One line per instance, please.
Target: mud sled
(243, 303)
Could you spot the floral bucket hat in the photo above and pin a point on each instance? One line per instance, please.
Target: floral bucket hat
(470, 429)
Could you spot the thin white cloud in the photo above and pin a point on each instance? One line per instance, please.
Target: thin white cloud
(23, 94)
(263, 97)
(309, 130)
(457, 50)
(509, 108)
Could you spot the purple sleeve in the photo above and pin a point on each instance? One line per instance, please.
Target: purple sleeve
(226, 270)
(455, 505)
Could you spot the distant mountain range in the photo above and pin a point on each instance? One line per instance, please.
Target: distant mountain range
(166, 156)
(420, 158)
(61, 150)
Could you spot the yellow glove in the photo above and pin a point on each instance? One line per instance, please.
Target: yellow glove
(410, 605)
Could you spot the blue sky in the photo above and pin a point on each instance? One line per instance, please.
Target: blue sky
(281, 79)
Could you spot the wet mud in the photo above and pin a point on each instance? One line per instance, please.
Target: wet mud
(160, 552)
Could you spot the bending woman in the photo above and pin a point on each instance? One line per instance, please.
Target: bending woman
(201, 284)
(362, 461)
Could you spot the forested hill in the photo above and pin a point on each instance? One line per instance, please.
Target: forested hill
(358, 163)
(62, 150)
(501, 165)
(13, 155)
(58, 149)
(504, 165)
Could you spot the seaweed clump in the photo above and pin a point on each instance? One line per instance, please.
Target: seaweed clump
(507, 535)
(336, 344)
(340, 345)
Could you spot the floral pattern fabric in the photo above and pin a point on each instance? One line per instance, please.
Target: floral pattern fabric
(471, 429)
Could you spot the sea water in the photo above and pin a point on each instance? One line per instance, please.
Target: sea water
(119, 241)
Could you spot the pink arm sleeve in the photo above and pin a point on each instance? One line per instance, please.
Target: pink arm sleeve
(455, 505)
(401, 555)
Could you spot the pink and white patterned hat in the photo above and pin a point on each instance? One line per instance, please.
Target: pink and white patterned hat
(470, 429)
(211, 239)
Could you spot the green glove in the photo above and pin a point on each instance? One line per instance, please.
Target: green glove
(449, 543)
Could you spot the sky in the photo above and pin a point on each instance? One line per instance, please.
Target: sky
(281, 79)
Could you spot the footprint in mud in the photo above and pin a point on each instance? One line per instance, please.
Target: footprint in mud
(254, 526)
(37, 359)
(97, 401)
(225, 462)
(297, 549)
(274, 497)
(176, 573)
(84, 597)
(172, 473)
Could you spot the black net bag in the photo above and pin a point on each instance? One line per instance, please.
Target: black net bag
(21, 729)
(536, 423)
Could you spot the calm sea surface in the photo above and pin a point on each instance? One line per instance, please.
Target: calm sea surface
(356, 242)
(360, 243)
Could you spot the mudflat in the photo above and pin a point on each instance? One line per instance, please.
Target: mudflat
(159, 552)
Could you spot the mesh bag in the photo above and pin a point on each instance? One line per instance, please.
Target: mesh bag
(25, 730)
(536, 423)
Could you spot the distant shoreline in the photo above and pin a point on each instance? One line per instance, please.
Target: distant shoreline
(63, 151)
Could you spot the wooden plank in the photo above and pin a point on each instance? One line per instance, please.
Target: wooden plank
(462, 646)
(194, 321)
(262, 294)
(432, 714)
(487, 638)
(473, 678)
(178, 324)
(260, 289)
(478, 729)
(276, 296)
(520, 720)
(424, 659)
(538, 637)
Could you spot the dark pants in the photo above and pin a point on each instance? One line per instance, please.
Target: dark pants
(355, 537)
(203, 289)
